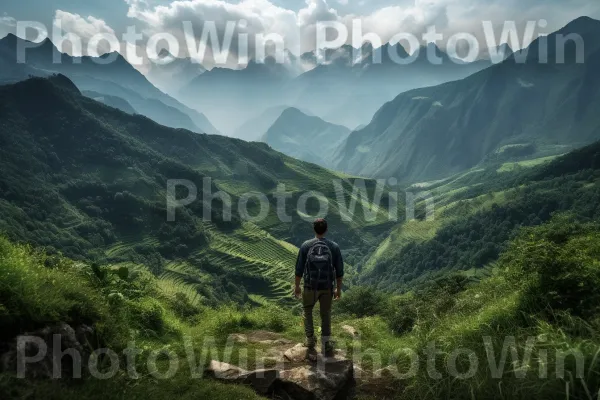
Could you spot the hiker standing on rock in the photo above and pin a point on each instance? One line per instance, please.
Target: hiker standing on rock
(320, 264)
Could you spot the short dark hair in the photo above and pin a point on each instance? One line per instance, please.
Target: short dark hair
(320, 226)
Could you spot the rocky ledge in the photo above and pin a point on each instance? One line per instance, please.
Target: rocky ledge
(294, 377)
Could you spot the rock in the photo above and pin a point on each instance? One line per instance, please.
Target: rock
(260, 337)
(350, 330)
(68, 339)
(224, 371)
(289, 375)
(261, 380)
(323, 381)
(238, 338)
(297, 354)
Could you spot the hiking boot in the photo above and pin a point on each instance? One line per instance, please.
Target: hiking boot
(311, 352)
(329, 349)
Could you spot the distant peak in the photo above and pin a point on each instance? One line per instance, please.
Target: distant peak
(164, 53)
(293, 111)
(10, 36)
(581, 25)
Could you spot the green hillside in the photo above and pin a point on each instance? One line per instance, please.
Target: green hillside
(477, 213)
(90, 181)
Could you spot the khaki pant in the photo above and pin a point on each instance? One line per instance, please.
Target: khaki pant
(309, 300)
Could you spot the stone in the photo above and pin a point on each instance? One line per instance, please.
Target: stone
(323, 381)
(350, 330)
(69, 338)
(261, 380)
(224, 371)
(238, 338)
(296, 354)
(289, 375)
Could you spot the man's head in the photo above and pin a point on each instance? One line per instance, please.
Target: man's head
(320, 226)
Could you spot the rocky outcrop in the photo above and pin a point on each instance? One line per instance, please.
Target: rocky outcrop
(40, 344)
(262, 380)
(294, 377)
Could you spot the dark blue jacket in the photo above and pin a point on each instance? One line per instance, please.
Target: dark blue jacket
(338, 263)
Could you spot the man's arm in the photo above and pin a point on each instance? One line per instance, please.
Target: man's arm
(339, 273)
(299, 273)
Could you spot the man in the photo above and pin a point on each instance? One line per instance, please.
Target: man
(319, 263)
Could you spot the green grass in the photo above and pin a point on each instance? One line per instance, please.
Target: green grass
(512, 301)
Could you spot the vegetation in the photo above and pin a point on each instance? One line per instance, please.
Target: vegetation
(511, 253)
(543, 291)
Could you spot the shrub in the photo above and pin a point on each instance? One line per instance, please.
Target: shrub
(362, 301)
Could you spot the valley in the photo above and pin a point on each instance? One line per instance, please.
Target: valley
(465, 198)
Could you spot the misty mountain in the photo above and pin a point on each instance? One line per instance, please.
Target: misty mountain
(256, 127)
(359, 86)
(305, 137)
(112, 101)
(337, 85)
(430, 133)
(171, 77)
(109, 74)
(235, 96)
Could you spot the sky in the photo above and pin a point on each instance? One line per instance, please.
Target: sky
(294, 20)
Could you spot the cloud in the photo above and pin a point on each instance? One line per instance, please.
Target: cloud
(7, 20)
(84, 28)
(298, 28)
(7, 25)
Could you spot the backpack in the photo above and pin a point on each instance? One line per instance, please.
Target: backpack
(319, 267)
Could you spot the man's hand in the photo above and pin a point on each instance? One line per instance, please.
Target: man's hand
(298, 291)
(338, 293)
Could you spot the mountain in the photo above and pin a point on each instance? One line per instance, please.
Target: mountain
(237, 95)
(501, 52)
(349, 90)
(305, 137)
(90, 181)
(256, 127)
(171, 77)
(115, 78)
(112, 101)
(430, 133)
(345, 89)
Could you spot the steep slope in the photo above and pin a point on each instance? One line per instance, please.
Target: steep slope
(478, 212)
(108, 74)
(304, 137)
(434, 132)
(90, 181)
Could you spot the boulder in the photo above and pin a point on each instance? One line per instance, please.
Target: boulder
(350, 330)
(261, 380)
(323, 381)
(293, 377)
(296, 354)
